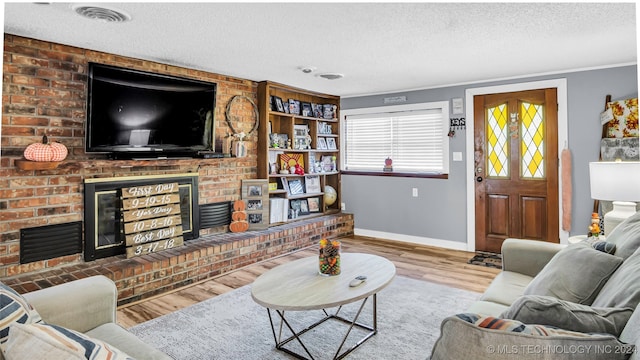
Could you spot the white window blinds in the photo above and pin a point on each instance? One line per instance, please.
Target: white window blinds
(415, 140)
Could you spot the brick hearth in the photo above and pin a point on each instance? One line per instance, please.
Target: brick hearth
(208, 256)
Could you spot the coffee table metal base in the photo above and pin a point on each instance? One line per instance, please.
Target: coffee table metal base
(280, 343)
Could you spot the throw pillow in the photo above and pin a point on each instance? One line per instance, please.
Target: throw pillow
(474, 336)
(626, 236)
(604, 246)
(51, 342)
(546, 310)
(14, 309)
(576, 274)
(623, 288)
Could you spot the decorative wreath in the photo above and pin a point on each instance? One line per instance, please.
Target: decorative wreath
(229, 117)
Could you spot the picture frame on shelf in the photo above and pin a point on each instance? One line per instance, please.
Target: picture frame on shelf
(294, 107)
(314, 204)
(286, 107)
(312, 184)
(272, 103)
(279, 106)
(331, 144)
(317, 109)
(289, 160)
(327, 111)
(282, 141)
(296, 187)
(306, 110)
(322, 144)
(283, 184)
(327, 163)
(304, 207)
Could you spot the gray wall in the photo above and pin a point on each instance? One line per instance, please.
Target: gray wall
(385, 204)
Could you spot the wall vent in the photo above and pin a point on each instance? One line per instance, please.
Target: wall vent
(215, 214)
(50, 241)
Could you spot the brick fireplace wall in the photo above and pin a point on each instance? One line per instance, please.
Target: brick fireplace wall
(45, 91)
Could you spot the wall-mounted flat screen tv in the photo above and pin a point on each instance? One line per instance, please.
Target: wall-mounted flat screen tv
(133, 114)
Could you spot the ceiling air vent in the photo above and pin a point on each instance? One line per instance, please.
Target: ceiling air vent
(101, 13)
(331, 76)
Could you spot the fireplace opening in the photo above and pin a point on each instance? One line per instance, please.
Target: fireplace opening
(104, 226)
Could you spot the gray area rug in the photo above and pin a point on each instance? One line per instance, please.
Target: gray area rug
(233, 326)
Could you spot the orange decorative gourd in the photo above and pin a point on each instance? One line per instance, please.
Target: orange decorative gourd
(239, 205)
(239, 226)
(239, 216)
(46, 151)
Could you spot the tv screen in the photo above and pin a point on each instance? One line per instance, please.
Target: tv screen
(139, 114)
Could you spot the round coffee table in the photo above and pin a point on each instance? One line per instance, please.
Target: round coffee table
(297, 286)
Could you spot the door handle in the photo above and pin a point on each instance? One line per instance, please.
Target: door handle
(479, 179)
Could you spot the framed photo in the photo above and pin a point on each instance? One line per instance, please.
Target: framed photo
(285, 105)
(327, 163)
(312, 184)
(304, 207)
(317, 110)
(253, 204)
(294, 107)
(282, 141)
(331, 144)
(306, 109)
(300, 130)
(322, 144)
(314, 204)
(296, 187)
(255, 194)
(255, 190)
(279, 106)
(255, 219)
(272, 104)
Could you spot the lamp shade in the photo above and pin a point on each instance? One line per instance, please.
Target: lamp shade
(615, 181)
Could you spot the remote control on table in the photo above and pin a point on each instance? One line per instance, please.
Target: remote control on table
(357, 281)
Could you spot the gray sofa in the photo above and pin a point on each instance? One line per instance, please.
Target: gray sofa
(554, 301)
(87, 306)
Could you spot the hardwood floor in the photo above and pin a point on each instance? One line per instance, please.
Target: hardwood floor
(448, 267)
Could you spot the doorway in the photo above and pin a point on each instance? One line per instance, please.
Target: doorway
(516, 167)
(503, 221)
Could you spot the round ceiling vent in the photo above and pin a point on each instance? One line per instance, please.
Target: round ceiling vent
(101, 13)
(331, 76)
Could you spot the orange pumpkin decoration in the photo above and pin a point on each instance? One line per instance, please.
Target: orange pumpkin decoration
(239, 205)
(46, 151)
(239, 226)
(239, 216)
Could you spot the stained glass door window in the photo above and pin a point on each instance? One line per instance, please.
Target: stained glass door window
(532, 155)
(497, 142)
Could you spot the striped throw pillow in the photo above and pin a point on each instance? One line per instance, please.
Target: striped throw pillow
(14, 309)
(490, 322)
(52, 342)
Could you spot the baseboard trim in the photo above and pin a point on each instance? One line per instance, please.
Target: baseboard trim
(447, 244)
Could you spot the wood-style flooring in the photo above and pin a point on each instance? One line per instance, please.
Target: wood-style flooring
(447, 267)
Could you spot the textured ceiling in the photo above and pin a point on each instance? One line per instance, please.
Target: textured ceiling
(379, 47)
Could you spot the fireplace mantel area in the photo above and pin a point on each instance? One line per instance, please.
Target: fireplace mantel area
(45, 92)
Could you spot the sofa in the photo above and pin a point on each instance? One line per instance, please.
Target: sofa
(553, 301)
(74, 320)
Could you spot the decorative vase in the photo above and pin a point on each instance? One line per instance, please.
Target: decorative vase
(329, 257)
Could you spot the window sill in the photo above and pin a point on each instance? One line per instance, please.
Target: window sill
(397, 174)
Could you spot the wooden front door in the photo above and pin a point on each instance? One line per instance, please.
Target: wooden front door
(516, 167)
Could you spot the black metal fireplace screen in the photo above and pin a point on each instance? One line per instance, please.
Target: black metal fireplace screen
(104, 235)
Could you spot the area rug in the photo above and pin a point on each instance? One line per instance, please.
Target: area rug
(233, 326)
(489, 259)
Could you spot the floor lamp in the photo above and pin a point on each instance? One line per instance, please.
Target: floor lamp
(618, 182)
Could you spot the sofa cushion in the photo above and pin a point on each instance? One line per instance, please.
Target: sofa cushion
(14, 309)
(547, 310)
(604, 246)
(472, 336)
(506, 287)
(51, 342)
(631, 332)
(623, 288)
(576, 274)
(626, 236)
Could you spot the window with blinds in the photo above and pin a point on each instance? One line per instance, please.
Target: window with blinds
(416, 140)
